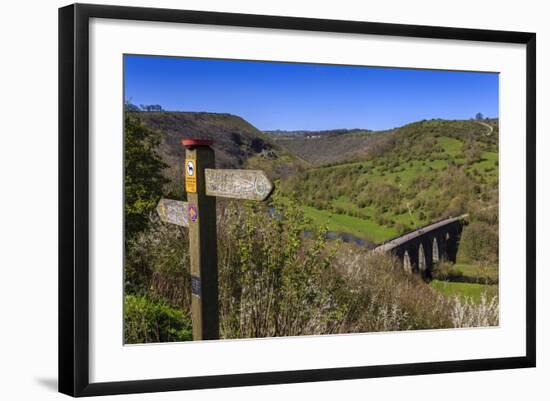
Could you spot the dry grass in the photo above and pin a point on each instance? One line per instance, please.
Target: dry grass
(467, 313)
(387, 299)
(274, 281)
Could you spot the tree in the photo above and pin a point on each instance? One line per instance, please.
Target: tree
(479, 243)
(151, 107)
(479, 116)
(129, 106)
(143, 168)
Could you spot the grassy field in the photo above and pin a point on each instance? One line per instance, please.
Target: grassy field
(481, 273)
(487, 166)
(451, 146)
(470, 290)
(343, 223)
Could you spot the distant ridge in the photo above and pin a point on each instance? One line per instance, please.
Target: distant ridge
(321, 147)
(353, 145)
(238, 144)
(339, 131)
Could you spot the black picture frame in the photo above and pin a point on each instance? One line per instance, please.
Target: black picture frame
(74, 198)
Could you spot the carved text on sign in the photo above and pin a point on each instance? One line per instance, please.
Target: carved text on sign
(240, 184)
(173, 212)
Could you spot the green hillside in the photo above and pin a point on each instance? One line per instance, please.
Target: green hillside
(423, 172)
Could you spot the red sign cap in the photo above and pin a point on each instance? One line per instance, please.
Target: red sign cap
(197, 142)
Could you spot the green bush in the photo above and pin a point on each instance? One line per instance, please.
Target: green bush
(157, 264)
(446, 271)
(143, 179)
(479, 243)
(401, 228)
(274, 281)
(146, 321)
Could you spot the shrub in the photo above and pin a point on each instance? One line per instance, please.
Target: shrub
(274, 281)
(466, 313)
(446, 271)
(479, 243)
(384, 298)
(143, 181)
(157, 264)
(401, 228)
(146, 321)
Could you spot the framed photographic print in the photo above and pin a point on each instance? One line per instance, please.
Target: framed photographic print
(250, 199)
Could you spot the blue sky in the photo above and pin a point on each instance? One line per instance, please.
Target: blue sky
(293, 96)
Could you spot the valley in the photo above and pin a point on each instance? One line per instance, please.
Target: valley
(364, 186)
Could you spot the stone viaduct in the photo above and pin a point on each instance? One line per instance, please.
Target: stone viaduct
(419, 249)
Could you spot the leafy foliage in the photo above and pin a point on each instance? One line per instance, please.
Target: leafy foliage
(446, 271)
(274, 281)
(156, 264)
(143, 179)
(146, 321)
(479, 242)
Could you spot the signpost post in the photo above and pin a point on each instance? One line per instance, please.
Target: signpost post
(202, 184)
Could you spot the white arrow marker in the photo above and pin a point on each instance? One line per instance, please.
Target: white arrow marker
(173, 212)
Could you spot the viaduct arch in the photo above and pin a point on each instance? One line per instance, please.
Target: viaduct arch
(418, 250)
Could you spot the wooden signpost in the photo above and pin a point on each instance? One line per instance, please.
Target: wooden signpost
(203, 183)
